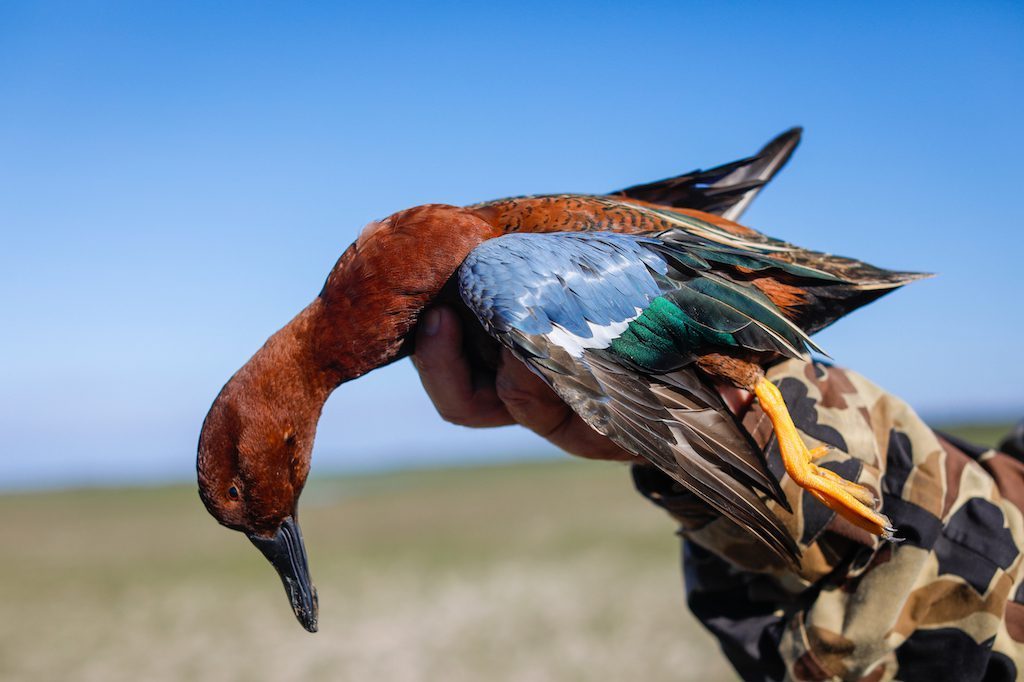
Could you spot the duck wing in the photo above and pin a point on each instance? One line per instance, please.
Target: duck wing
(812, 289)
(613, 323)
(725, 190)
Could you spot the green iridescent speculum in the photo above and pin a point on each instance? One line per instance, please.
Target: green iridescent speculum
(662, 333)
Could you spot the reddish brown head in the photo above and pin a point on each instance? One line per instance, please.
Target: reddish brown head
(256, 442)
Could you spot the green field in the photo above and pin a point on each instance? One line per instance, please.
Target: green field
(546, 571)
(539, 571)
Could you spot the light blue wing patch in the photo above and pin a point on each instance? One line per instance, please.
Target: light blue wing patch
(580, 290)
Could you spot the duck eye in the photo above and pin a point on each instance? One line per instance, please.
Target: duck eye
(233, 493)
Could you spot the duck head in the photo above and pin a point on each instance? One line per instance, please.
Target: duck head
(257, 440)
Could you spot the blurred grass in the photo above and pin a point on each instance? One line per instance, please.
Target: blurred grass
(539, 571)
(535, 571)
(986, 434)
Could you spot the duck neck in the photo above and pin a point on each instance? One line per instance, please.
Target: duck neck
(344, 341)
(374, 295)
(284, 378)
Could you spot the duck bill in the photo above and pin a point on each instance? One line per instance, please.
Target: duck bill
(287, 553)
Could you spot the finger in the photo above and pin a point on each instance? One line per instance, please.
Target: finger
(447, 376)
(534, 405)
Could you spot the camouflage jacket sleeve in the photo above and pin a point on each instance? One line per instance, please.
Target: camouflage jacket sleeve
(942, 604)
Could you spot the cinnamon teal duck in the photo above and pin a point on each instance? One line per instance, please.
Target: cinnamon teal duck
(630, 305)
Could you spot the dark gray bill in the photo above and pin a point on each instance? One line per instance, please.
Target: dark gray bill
(286, 551)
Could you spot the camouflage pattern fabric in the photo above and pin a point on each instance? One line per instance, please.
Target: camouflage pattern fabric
(947, 603)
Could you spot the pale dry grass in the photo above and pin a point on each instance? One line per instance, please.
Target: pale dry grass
(529, 572)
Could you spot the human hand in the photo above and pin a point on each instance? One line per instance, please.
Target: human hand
(465, 396)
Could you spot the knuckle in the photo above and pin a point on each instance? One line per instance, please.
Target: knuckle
(456, 417)
(512, 393)
(559, 429)
(456, 420)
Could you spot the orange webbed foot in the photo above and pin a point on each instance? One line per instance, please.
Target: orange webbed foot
(853, 502)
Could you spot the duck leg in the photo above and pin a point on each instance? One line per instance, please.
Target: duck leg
(853, 502)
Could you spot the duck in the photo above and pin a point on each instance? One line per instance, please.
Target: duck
(632, 306)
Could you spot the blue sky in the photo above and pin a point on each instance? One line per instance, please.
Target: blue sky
(177, 179)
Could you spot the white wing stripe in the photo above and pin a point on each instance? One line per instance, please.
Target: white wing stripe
(601, 336)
